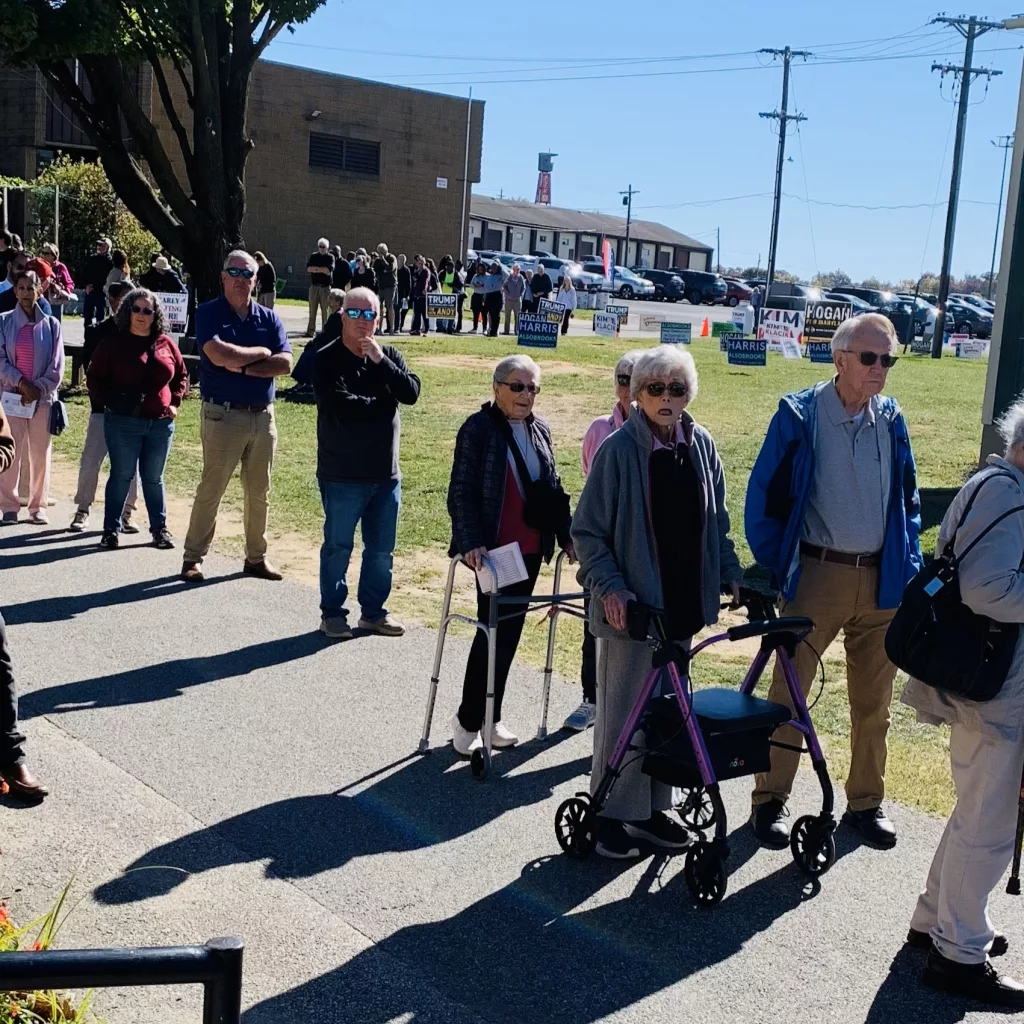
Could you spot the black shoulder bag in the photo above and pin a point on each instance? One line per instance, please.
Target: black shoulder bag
(546, 505)
(936, 638)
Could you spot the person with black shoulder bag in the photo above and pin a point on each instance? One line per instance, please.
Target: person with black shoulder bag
(965, 609)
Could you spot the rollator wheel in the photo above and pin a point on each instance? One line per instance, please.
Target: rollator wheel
(480, 763)
(574, 827)
(705, 874)
(697, 810)
(813, 846)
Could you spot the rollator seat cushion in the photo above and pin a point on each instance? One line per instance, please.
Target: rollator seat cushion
(721, 710)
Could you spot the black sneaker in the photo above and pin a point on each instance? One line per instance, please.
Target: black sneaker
(973, 981)
(162, 539)
(923, 940)
(663, 830)
(109, 540)
(614, 842)
(768, 821)
(127, 526)
(873, 826)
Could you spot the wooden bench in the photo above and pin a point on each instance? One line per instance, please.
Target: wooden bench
(76, 350)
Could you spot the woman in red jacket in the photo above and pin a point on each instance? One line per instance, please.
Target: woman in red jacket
(138, 378)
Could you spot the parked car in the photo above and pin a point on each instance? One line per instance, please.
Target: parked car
(859, 305)
(922, 310)
(736, 291)
(974, 300)
(543, 253)
(701, 286)
(875, 296)
(963, 318)
(625, 283)
(668, 285)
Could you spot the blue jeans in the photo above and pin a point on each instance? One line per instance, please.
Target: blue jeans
(376, 506)
(133, 441)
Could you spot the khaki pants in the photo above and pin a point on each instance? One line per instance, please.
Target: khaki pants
(32, 445)
(94, 452)
(839, 597)
(230, 437)
(266, 299)
(513, 307)
(318, 294)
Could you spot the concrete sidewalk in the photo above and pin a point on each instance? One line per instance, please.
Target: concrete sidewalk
(263, 778)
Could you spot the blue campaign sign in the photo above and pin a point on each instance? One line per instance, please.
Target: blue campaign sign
(748, 352)
(537, 332)
(819, 351)
(675, 333)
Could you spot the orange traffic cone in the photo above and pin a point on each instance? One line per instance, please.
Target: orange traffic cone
(705, 328)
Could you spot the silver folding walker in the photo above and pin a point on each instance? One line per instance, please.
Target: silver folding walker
(559, 604)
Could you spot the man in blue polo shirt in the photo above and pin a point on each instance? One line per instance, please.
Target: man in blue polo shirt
(242, 348)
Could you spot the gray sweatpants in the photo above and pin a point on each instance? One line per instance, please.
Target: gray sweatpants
(94, 451)
(622, 666)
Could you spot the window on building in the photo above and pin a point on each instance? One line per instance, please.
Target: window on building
(335, 153)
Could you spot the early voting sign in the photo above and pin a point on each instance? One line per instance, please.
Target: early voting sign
(441, 306)
(175, 309)
(819, 351)
(537, 331)
(551, 311)
(748, 352)
(622, 312)
(777, 324)
(606, 324)
(822, 318)
(675, 333)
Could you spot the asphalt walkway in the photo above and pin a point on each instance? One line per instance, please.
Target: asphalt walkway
(263, 778)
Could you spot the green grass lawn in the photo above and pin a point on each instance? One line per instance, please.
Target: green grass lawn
(941, 398)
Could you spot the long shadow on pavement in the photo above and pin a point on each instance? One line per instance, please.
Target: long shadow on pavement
(168, 679)
(414, 807)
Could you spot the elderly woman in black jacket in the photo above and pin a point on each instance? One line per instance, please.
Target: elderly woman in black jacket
(488, 505)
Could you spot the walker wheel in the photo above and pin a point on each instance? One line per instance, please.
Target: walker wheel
(697, 810)
(705, 874)
(574, 827)
(480, 763)
(813, 845)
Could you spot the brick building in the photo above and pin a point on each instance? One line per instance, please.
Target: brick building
(357, 161)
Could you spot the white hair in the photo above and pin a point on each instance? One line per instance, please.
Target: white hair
(323, 242)
(842, 340)
(512, 364)
(240, 254)
(628, 360)
(1011, 425)
(669, 361)
(361, 293)
(337, 295)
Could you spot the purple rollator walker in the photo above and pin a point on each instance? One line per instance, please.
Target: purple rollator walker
(694, 740)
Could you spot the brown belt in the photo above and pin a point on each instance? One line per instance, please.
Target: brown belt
(234, 405)
(840, 557)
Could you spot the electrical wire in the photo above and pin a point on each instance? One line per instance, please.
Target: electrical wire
(807, 192)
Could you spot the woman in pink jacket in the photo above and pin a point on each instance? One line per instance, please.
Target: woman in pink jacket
(31, 369)
(604, 426)
(61, 287)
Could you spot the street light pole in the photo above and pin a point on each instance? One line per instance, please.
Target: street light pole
(465, 176)
(1005, 143)
(627, 202)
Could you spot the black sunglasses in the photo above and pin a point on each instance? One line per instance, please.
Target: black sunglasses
(870, 358)
(365, 314)
(142, 310)
(240, 272)
(517, 387)
(657, 388)
(623, 380)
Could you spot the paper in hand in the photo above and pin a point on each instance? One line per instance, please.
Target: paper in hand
(508, 564)
(12, 406)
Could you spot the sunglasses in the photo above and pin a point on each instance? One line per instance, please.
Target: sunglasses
(142, 310)
(657, 388)
(517, 387)
(240, 272)
(361, 314)
(870, 358)
(623, 380)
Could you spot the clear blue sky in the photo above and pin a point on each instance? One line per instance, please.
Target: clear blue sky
(686, 132)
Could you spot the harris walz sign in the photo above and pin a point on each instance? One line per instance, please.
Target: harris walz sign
(823, 318)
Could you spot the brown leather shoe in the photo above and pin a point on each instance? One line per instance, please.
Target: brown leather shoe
(22, 783)
(191, 572)
(261, 570)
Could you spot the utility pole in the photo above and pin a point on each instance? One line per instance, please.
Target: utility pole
(718, 247)
(1005, 143)
(56, 215)
(970, 28)
(627, 202)
(463, 244)
(783, 117)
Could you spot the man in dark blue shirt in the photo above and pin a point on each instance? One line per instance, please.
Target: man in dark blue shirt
(242, 348)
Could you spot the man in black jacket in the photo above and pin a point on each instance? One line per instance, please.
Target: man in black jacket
(97, 267)
(359, 385)
(540, 285)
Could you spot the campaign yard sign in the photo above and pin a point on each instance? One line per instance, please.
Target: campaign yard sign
(726, 337)
(822, 318)
(675, 333)
(651, 321)
(921, 346)
(622, 312)
(819, 351)
(537, 331)
(175, 309)
(552, 311)
(720, 327)
(748, 352)
(441, 306)
(972, 349)
(777, 324)
(606, 324)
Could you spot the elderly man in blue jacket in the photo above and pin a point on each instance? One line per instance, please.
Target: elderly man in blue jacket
(833, 511)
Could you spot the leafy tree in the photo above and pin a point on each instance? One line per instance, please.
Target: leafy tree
(874, 282)
(832, 279)
(200, 56)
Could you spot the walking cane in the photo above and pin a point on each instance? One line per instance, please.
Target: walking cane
(1013, 885)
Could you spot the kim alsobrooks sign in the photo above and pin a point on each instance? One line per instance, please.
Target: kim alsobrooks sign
(675, 333)
(823, 318)
(748, 352)
(442, 306)
(537, 332)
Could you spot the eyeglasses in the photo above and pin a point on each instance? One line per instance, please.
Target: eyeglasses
(240, 272)
(657, 388)
(517, 387)
(364, 314)
(623, 380)
(870, 358)
(142, 310)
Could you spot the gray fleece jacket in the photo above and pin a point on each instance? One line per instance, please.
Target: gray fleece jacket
(612, 529)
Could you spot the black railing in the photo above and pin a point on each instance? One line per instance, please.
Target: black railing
(217, 966)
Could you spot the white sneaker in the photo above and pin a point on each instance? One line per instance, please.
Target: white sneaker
(39, 518)
(502, 736)
(464, 741)
(582, 718)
